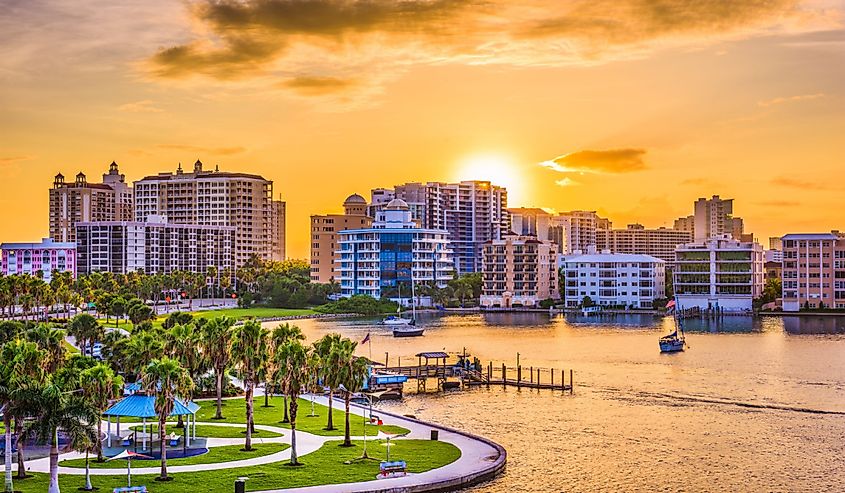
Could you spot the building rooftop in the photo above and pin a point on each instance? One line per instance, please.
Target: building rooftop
(613, 257)
(45, 243)
(355, 199)
(810, 236)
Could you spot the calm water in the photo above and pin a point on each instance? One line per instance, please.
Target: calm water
(751, 406)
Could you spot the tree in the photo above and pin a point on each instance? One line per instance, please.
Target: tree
(84, 328)
(281, 335)
(324, 348)
(10, 330)
(215, 342)
(292, 359)
(99, 385)
(52, 342)
(20, 365)
(351, 375)
(249, 352)
(141, 350)
(587, 302)
(139, 312)
(166, 379)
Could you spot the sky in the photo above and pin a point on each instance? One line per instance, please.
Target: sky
(632, 108)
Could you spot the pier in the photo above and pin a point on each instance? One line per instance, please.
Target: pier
(435, 365)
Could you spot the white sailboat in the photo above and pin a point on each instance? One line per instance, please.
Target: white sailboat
(398, 319)
(409, 328)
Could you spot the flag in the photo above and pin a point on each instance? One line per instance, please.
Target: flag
(366, 338)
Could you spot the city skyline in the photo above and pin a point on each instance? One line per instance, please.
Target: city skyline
(635, 120)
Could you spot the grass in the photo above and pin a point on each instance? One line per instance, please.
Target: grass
(325, 466)
(257, 312)
(234, 410)
(228, 453)
(211, 431)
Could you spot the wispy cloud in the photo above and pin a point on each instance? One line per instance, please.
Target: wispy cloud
(4, 160)
(225, 151)
(789, 99)
(588, 161)
(145, 106)
(566, 182)
(318, 86)
(785, 181)
(779, 203)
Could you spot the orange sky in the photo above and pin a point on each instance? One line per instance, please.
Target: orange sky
(633, 108)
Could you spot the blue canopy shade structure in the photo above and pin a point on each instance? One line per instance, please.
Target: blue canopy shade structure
(143, 406)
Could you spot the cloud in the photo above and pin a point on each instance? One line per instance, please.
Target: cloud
(609, 161)
(566, 182)
(318, 86)
(787, 182)
(790, 99)
(225, 151)
(145, 106)
(779, 203)
(269, 41)
(5, 160)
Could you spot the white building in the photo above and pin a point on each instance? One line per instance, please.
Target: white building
(613, 279)
(154, 247)
(576, 230)
(35, 258)
(719, 273)
(383, 260)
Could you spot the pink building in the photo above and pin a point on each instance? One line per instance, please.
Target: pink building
(813, 271)
(46, 257)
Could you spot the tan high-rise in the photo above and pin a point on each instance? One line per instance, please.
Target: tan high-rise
(213, 198)
(324, 237)
(278, 230)
(518, 271)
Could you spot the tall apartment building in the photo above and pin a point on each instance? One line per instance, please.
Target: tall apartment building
(215, 198)
(518, 271)
(35, 258)
(718, 273)
(613, 279)
(154, 247)
(713, 218)
(277, 231)
(638, 240)
(686, 224)
(577, 230)
(77, 201)
(384, 259)
(473, 212)
(531, 221)
(325, 230)
(813, 271)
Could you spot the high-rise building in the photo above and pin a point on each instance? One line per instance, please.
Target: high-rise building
(519, 271)
(719, 274)
(473, 212)
(80, 200)
(686, 224)
(154, 247)
(618, 280)
(531, 221)
(714, 219)
(278, 230)
(214, 198)
(325, 229)
(580, 229)
(38, 258)
(813, 271)
(385, 259)
(638, 240)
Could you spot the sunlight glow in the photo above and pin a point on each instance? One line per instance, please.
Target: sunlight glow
(495, 168)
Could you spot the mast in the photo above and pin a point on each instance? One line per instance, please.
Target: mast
(413, 299)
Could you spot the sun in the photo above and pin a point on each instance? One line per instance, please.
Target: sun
(495, 168)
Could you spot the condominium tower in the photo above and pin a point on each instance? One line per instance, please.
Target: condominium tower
(637, 240)
(38, 258)
(813, 271)
(518, 271)
(325, 230)
(712, 218)
(613, 280)
(81, 200)
(215, 198)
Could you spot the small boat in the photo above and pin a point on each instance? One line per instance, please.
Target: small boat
(408, 331)
(394, 320)
(674, 342)
(591, 310)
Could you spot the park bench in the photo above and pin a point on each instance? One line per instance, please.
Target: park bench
(128, 439)
(394, 467)
(174, 439)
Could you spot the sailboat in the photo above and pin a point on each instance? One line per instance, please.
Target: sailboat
(398, 319)
(408, 329)
(675, 341)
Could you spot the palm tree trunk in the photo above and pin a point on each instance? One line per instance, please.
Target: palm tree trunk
(347, 438)
(266, 394)
(249, 411)
(162, 422)
(330, 425)
(286, 418)
(294, 405)
(99, 441)
(88, 486)
(7, 422)
(54, 463)
(19, 434)
(219, 414)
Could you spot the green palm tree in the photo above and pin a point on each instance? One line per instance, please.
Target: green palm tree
(20, 364)
(166, 379)
(249, 353)
(52, 342)
(351, 375)
(292, 358)
(278, 338)
(100, 385)
(141, 350)
(215, 343)
(328, 373)
(84, 329)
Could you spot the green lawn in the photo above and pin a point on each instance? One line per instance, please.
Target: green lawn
(257, 312)
(325, 466)
(211, 431)
(234, 411)
(228, 453)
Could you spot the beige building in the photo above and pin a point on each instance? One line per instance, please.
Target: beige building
(213, 198)
(638, 240)
(278, 230)
(325, 229)
(518, 271)
(686, 224)
(80, 201)
(576, 230)
(813, 271)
